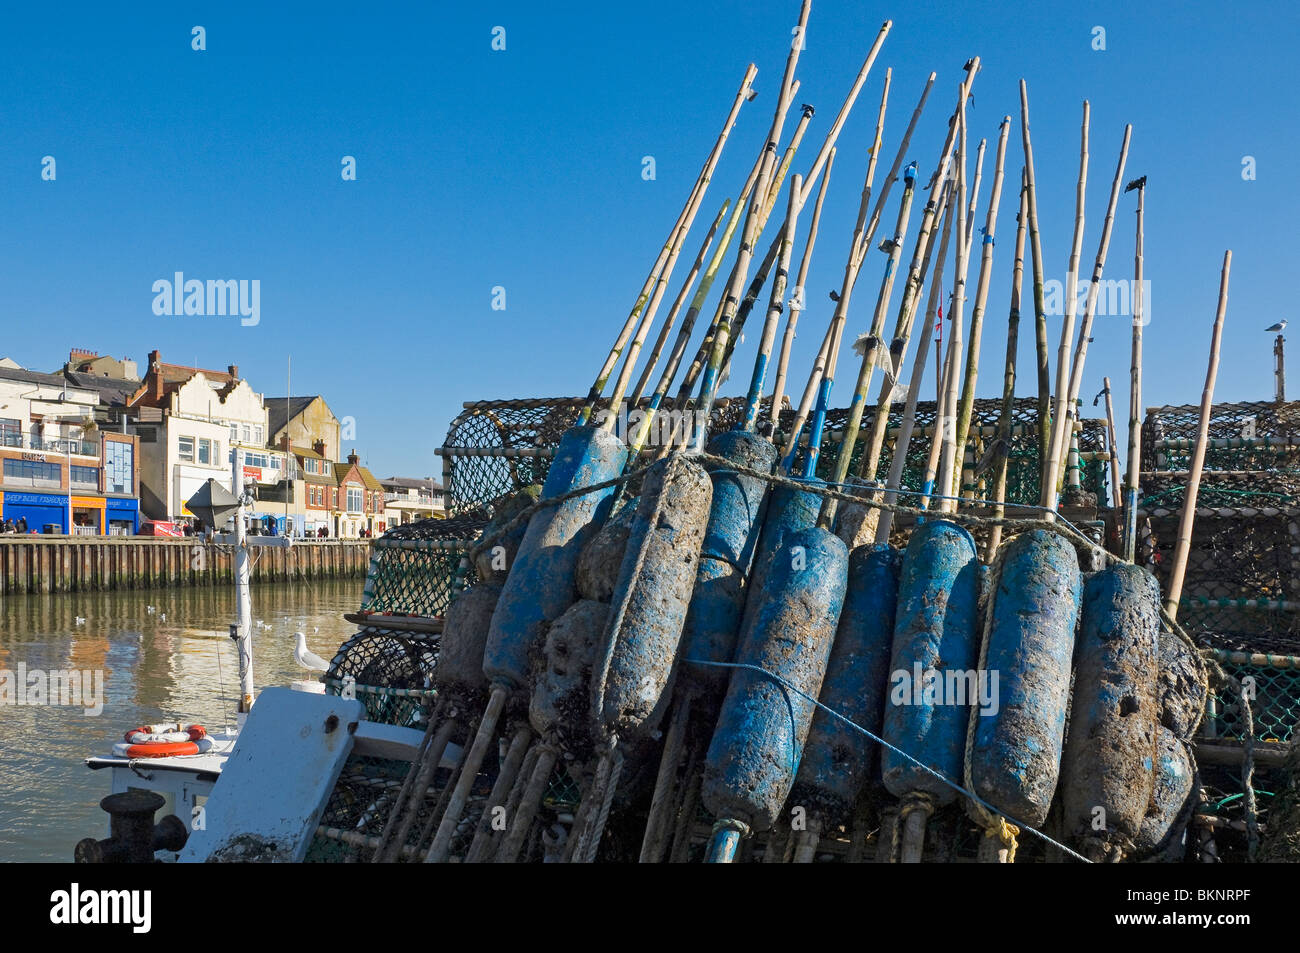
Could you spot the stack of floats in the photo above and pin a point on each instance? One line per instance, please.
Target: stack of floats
(711, 632)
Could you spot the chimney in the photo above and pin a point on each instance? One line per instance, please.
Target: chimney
(353, 458)
(233, 370)
(319, 446)
(284, 442)
(155, 376)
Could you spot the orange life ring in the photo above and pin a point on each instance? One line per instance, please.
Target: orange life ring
(163, 741)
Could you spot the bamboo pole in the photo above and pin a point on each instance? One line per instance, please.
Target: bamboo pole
(1040, 309)
(955, 319)
(797, 300)
(1174, 592)
(1094, 287)
(981, 295)
(657, 351)
(810, 180)
(1002, 452)
(740, 271)
(1060, 415)
(1110, 444)
(745, 94)
(1133, 461)
(975, 192)
(840, 317)
(749, 420)
(870, 347)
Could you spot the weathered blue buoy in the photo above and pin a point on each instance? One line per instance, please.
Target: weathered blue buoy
(726, 556)
(540, 585)
(652, 593)
(936, 648)
(1180, 688)
(837, 760)
(1020, 724)
(1107, 767)
(1160, 836)
(759, 737)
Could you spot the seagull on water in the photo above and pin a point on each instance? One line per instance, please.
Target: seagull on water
(306, 658)
(1281, 325)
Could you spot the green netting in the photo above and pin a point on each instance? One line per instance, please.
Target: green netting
(391, 672)
(1275, 682)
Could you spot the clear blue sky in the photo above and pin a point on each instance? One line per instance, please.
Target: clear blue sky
(522, 169)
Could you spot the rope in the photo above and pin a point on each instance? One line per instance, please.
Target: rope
(898, 751)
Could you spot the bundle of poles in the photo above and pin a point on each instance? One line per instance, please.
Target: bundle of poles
(655, 620)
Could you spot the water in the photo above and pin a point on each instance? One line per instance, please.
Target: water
(182, 669)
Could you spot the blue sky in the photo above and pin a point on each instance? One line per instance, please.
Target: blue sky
(522, 168)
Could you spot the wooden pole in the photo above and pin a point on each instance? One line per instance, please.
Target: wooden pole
(797, 299)
(1040, 309)
(1110, 444)
(1094, 288)
(1060, 415)
(1002, 453)
(740, 271)
(1133, 459)
(675, 237)
(749, 421)
(947, 459)
(1184, 545)
(840, 317)
(657, 351)
(981, 297)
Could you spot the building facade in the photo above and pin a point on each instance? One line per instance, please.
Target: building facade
(59, 472)
(409, 499)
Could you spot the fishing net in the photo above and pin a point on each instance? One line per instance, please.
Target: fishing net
(416, 568)
(1259, 438)
(1274, 681)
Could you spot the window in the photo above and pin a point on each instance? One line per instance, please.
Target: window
(247, 433)
(259, 435)
(311, 466)
(33, 473)
(325, 467)
(205, 451)
(119, 467)
(275, 463)
(354, 500)
(185, 449)
(234, 433)
(11, 432)
(85, 477)
(254, 459)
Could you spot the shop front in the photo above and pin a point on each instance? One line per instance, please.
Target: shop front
(40, 510)
(122, 516)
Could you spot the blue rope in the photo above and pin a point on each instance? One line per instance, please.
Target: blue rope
(881, 741)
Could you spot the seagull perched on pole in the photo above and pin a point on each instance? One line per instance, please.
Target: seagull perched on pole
(1281, 325)
(308, 659)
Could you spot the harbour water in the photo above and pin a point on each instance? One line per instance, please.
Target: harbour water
(176, 663)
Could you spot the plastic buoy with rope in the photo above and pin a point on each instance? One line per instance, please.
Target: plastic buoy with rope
(163, 741)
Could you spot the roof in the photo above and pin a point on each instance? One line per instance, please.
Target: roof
(31, 377)
(112, 392)
(414, 483)
(278, 414)
(368, 479)
(175, 376)
(307, 453)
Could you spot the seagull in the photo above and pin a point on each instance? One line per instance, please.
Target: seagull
(162, 616)
(80, 620)
(1277, 327)
(150, 608)
(306, 658)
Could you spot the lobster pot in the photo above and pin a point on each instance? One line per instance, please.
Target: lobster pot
(837, 760)
(1025, 683)
(460, 650)
(759, 737)
(493, 562)
(561, 694)
(1180, 692)
(936, 645)
(1161, 833)
(726, 554)
(599, 563)
(1107, 762)
(653, 592)
(541, 581)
